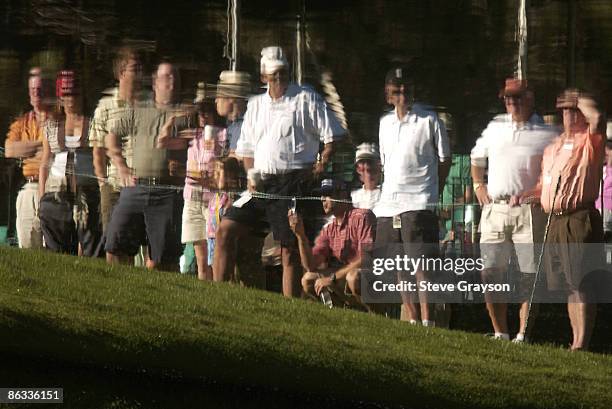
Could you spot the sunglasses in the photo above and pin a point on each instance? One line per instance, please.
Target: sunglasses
(277, 75)
(509, 98)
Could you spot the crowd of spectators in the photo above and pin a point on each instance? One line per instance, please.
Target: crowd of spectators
(150, 174)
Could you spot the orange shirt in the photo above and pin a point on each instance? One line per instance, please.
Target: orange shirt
(26, 129)
(577, 166)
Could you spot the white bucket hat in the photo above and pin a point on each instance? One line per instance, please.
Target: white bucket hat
(272, 59)
(367, 151)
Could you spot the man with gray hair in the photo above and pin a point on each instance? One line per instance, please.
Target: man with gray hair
(280, 137)
(24, 142)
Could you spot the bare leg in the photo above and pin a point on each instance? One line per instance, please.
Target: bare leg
(353, 281)
(289, 266)
(118, 259)
(410, 312)
(224, 260)
(201, 253)
(426, 308)
(150, 263)
(498, 312)
(523, 317)
(163, 266)
(582, 319)
(571, 314)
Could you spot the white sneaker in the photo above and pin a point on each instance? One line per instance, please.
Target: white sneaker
(520, 338)
(498, 336)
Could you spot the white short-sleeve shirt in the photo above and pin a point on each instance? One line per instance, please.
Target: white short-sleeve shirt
(365, 199)
(410, 149)
(284, 134)
(514, 153)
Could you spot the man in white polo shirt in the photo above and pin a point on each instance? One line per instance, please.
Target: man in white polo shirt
(280, 138)
(513, 143)
(416, 158)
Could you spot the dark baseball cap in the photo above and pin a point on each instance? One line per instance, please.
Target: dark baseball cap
(331, 186)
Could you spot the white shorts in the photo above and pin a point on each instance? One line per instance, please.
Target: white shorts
(195, 215)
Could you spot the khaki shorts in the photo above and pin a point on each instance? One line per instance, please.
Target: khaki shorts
(195, 215)
(506, 231)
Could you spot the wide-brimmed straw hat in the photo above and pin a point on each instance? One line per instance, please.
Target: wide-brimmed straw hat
(231, 84)
(234, 84)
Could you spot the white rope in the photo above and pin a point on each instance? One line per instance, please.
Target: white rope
(521, 37)
(255, 194)
(235, 35)
(228, 46)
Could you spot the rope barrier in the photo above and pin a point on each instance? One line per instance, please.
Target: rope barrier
(255, 194)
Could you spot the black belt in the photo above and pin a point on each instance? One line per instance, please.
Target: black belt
(166, 180)
(586, 206)
(284, 175)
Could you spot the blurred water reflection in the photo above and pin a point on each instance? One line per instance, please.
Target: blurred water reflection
(460, 50)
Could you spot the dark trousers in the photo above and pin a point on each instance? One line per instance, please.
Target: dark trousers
(67, 220)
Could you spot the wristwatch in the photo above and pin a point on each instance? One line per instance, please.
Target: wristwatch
(333, 278)
(478, 185)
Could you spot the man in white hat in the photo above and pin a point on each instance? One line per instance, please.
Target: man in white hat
(367, 165)
(280, 137)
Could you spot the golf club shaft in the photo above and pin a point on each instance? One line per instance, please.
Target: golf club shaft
(539, 268)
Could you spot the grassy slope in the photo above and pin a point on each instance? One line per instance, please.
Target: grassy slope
(82, 311)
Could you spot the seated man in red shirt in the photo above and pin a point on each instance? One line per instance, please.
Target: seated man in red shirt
(340, 242)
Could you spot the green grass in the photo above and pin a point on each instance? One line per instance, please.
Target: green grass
(83, 312)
